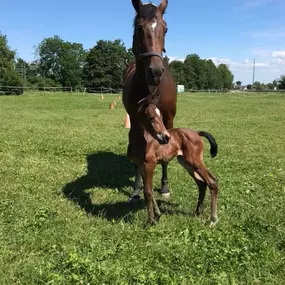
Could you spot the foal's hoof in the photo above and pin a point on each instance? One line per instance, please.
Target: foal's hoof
(214, 222)
(153, 222)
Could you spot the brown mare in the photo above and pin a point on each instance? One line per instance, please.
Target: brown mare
(185, 144)
(149, 80)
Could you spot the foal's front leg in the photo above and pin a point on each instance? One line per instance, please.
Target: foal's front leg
(152, 207)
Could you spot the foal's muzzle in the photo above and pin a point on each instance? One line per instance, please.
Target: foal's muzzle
(163, 138)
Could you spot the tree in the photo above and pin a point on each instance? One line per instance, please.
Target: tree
(195, 72)
(61, 61)
(8, 74)
(212, 75)
(270, 86)
(177, 69)
(225, 76)
(238, 83)
(105, 64)
(281, 82)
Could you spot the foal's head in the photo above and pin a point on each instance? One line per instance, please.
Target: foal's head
(151, 119)
(148, 41)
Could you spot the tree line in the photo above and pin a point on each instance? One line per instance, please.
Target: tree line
(62, 63)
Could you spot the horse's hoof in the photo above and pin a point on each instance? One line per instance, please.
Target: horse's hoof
(135, 199)
(166, 195)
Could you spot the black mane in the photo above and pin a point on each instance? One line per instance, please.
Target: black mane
(147, 12)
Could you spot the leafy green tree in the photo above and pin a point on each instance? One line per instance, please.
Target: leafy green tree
(195, 72)
(8, 74)
(105, 64)
(211, 75)
(258, 86)
(177, 69)
(281, 82)
(270, 86)
(61, 61)
(225, 76)
(238, 83)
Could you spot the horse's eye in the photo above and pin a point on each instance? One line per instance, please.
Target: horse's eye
(151, 118)
(166, 31)
(139, 29)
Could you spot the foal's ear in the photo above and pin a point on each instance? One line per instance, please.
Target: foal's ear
(163, 5)
(137, 4)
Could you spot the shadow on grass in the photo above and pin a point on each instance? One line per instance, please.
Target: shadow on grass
(112, 171)
(104, 170)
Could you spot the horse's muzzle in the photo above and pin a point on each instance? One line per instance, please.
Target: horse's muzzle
(154, 75)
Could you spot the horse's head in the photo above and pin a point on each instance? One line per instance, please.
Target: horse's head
(151, 120)
(148, 42)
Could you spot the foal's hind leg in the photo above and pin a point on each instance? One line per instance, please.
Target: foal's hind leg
(203, 178)
(212, 183)
(202, 186)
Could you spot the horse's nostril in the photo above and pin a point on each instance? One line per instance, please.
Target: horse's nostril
(156, 71)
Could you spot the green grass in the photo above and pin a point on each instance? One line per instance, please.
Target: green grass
(65, 180)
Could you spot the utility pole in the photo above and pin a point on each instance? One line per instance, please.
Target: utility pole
(253, 77)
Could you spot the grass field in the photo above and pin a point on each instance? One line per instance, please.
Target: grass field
(65, 180)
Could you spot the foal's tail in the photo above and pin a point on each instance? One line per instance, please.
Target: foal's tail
(212, 141)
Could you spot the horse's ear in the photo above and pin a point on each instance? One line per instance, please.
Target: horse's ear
(163, 5)
(137, 4)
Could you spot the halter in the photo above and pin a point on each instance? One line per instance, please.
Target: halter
(149, 54)
(144, 99)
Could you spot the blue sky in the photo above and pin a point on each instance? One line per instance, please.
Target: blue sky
(232, 32)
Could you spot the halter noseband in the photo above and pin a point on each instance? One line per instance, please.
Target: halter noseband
(149, 54)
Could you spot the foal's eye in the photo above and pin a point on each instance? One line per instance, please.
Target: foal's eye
(151, 118)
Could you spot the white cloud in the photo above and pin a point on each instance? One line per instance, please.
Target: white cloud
(172, 58)
(251, 4)
(269, 65)
(278, 54)
(268, 34)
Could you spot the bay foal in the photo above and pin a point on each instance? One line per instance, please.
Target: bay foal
(185, 144)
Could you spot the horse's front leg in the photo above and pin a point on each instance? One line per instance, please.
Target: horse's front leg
(138, 186)
(164, 182)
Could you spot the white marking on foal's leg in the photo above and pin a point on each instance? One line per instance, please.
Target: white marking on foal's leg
(157, 111)
(214, 220)
(197, 176)
(180, 152)
(154, 25)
